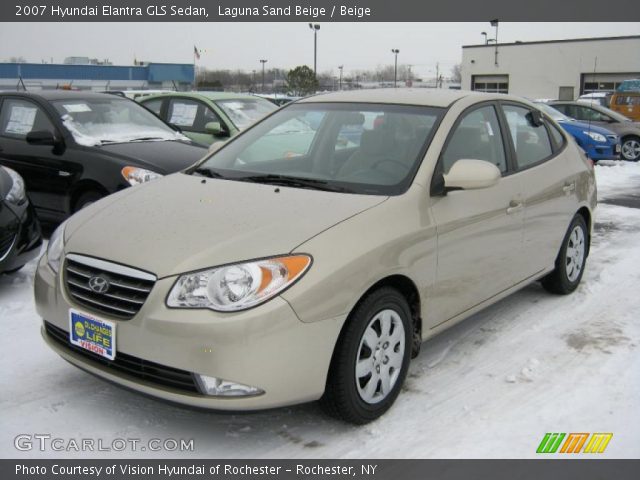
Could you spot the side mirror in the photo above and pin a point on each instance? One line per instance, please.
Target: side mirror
(471, 175)
(535, 117)
(41, 137)
(214, 128)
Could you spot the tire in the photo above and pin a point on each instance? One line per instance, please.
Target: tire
(361, 394)
(571, 259)
(86, 199)
(630, 149)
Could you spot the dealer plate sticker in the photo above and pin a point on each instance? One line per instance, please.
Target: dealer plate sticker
(88, 332)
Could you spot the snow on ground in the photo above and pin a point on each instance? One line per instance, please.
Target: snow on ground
(490, 387)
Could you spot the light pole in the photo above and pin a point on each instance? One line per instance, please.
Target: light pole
(263, 61)
(486, 41)
(315, 27)
(395, 51)
(340, 68)
(494, 23)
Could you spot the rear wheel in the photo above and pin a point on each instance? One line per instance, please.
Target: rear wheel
(631, 148)
(571, 260)
(371, 358)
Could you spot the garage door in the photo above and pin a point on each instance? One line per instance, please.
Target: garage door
(490, 83)
(604, 82)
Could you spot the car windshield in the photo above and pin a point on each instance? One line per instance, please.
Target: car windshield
(245, 111)
(553, 113)
(345, 147)
(99, 121)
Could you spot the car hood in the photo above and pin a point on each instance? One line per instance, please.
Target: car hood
(163, 157)
(182, 223)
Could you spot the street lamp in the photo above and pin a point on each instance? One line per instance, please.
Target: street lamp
(263, 62)
(494, 23)
(486, 40)
(395, 51)
(340, 68)
(315, 27)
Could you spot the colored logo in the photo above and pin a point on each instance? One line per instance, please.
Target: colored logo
(79, 328)
(99, 284)
(574, 443)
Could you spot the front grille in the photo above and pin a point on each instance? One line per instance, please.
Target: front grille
(129, 365)
(128, 288)
(5, 245)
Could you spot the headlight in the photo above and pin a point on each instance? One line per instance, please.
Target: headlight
(596, 137)
(54, 249)
(16, 194)
(238, 286)
(136, 176)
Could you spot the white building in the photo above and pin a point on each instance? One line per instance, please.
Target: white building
(555, 69)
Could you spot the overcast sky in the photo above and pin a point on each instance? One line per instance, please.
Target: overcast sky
(284, 45)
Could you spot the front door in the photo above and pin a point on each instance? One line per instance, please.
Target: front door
(479, 231)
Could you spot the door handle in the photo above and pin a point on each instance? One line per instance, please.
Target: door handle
(514, 207)
(569, 188)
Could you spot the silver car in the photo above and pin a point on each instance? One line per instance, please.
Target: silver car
(309, 257)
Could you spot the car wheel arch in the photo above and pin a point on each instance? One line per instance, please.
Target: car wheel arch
(81, 188)
(585, 213)
(409, 290)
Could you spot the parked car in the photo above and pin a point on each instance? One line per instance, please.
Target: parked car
(280, 280)
(208, 117)
(626, 129)
(73, 148)
(627, 103)
(598, 143)
(20, 237)
(600, 98)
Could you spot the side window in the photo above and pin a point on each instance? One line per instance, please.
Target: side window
(531, 142)
(19, 117)
(154, 105)
(477, 137)
(211, 116)
(562, 109)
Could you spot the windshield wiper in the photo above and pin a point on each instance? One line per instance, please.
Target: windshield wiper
(295, 182)
(205, 172)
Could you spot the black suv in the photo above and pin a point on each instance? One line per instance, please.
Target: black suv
(73, 148)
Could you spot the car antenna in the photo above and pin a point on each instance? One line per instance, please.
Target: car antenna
(595, 68)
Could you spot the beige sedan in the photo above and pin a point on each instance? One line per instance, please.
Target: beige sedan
(309, 257)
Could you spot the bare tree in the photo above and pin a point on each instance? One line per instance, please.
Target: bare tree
(456, 73)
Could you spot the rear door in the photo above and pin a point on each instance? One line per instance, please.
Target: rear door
(549, 185)
(47, 175)
(479, 231)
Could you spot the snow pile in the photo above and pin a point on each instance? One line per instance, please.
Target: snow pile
(616, 178)
(95, 134)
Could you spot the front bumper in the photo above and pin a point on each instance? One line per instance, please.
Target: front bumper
(266, 347)
(27, 242)
(609, 151)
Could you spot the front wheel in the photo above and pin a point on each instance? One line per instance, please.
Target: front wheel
(571, 259)
(371, 358)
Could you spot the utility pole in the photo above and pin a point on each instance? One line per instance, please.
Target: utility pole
(437, 73)
(340, 68)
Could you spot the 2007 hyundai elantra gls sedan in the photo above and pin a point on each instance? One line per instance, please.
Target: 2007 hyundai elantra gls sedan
(310, 256)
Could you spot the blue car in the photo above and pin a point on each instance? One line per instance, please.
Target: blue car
(598, 143)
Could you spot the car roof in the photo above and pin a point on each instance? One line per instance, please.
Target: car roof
(404, 96)
(62, 95)
(209, 95)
